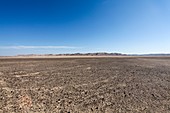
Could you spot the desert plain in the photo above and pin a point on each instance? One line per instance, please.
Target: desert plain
(85, 85)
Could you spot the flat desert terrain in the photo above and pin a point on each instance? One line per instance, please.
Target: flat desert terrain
(85, 85)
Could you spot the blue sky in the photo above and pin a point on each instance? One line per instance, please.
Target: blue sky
(69, 26)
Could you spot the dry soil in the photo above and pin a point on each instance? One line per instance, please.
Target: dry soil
(85, 85)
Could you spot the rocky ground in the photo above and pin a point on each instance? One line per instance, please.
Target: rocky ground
(85, 85)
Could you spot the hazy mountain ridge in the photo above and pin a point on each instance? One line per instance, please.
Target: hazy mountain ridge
(79, 54)
(161, 54)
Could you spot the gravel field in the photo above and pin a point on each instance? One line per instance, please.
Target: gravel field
(85, 85)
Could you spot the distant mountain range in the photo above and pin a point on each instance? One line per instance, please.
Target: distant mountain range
(95, 54)
(80, 54)
(155, 54)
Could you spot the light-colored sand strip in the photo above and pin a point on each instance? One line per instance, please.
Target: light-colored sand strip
(29, 74)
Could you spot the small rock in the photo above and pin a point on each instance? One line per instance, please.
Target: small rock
(88, 68)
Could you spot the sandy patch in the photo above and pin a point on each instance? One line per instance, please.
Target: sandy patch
(1, 73)
(25, 103)
(57, 88)
(3, 83)
(121, 85)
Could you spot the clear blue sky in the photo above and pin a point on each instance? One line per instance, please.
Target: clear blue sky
(69, 26)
